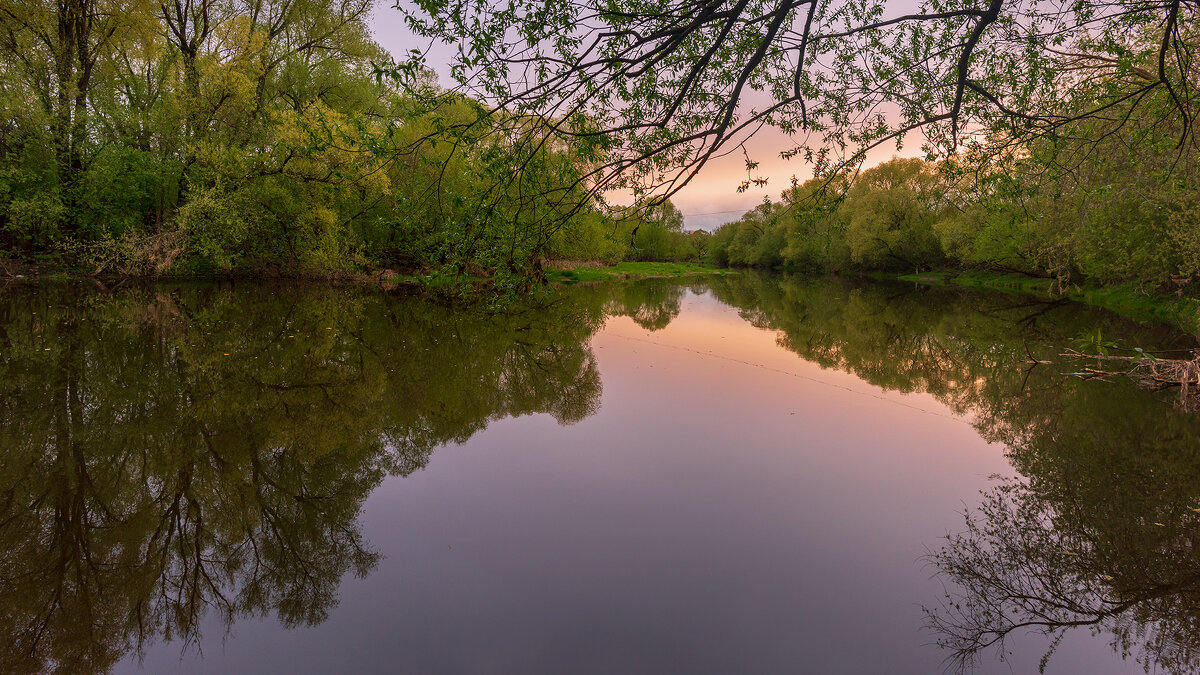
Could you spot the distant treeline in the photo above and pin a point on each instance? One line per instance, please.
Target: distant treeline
(1107, 201)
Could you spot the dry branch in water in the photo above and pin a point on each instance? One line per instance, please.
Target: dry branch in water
(1150, 372)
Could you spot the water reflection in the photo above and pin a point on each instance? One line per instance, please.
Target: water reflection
(1099, 535)
(176, 451)
(1100, 531)
(172, 452)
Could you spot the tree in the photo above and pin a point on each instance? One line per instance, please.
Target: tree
(889, 215)
(668, 87)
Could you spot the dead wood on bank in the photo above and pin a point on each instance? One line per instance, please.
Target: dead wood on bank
(1148, 371)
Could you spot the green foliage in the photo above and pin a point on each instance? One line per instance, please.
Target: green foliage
(631, 270)
(268, 138)
(275, 139)
(889, 214)
(1113, 203)
(665, 87)
(885, 221)
(216, 224)
(595, 237)
(1094, 342)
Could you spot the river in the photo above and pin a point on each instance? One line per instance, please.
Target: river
(744, 473)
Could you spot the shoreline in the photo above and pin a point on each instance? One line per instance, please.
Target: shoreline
(1126, 299)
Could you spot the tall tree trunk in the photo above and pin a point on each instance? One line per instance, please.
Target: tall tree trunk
(74, 63)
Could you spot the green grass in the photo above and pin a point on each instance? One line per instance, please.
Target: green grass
(405, 279)
(1126, 299)
(434, 281)
(630, 270)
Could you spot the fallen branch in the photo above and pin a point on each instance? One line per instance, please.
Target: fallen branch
(1149, 371)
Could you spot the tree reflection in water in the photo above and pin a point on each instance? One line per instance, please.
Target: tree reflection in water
(176, 451)
(1100, 532)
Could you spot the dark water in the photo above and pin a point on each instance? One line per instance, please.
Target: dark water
(743, 474)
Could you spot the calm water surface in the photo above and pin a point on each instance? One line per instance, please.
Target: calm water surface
(743, 474)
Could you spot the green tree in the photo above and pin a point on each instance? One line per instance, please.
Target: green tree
(889, 215)
(670, 88)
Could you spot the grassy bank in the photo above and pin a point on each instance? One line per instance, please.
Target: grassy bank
(462, 284)
(1126, 299)
(630, 270)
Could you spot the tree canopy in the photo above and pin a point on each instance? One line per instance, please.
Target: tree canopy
(667, 87)
(205, 136)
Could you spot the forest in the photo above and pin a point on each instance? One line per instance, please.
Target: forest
(219, 137)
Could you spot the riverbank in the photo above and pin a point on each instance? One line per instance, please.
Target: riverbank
(569, 274)
(631, 270)
(1126, 299)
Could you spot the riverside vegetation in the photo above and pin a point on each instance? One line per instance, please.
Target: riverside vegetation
(221, 137)
(1120, 231)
